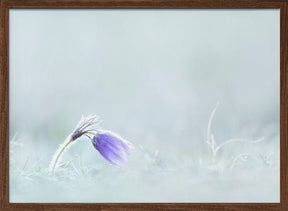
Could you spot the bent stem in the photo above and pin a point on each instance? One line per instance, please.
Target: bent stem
(210, 137)
(58, 154)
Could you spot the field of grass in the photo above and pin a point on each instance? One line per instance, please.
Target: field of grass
(236, 170)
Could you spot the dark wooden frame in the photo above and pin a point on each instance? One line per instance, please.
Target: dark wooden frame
(4, 102)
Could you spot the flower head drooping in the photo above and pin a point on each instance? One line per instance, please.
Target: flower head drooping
(112, 147)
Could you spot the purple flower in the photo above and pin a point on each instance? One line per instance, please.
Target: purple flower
(112, 147)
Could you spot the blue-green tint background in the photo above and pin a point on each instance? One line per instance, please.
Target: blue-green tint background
(154, 77)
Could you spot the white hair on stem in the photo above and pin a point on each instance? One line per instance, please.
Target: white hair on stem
(84, 127)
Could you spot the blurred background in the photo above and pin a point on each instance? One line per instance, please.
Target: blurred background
(154, 77)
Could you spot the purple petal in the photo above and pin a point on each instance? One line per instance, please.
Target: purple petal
(112, 147)
(110, 154)
(116, 141)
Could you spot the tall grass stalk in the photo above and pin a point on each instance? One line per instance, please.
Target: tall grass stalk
(211, 140)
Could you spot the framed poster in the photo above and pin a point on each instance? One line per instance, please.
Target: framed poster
(143, 105)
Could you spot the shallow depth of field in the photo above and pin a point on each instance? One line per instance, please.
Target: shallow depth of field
(195, 91)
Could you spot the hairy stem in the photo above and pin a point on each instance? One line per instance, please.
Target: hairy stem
(58, 154)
